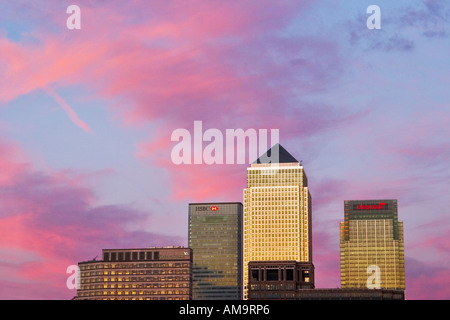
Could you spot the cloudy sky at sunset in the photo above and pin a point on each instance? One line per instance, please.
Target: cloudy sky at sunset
(86, 118)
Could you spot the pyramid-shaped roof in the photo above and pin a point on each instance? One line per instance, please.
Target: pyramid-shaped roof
(284, 155)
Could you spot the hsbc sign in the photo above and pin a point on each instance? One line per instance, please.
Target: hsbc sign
(207, 208)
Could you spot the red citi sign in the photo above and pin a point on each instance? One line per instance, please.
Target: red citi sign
(379, 206)
(214, 208)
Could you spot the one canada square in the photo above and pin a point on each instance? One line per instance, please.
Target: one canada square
(277, 211)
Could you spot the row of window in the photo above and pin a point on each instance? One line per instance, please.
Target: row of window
(291, 214)
(362, 277)
(276, 220)
(135, 272)
(128, 256)
(272, 287)
(276, 235)
(181, 297)
(260, 237)
(261, 201)
(371, 229)
(284, 209)
(274, 174)
(272, 184)
(354, 246)
(156, 285)
(126, 292)
(272, 295)
(260, 167)
(133, 265)
(133, 279)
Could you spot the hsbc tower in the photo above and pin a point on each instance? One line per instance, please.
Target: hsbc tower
(215, 237)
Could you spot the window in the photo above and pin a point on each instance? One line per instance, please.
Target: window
(255, 274)
(289, 274)
(272, 275)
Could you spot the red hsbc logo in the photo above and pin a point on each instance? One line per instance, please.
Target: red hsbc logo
(379, 206)
(213, 208)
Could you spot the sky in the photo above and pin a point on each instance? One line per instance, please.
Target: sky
(87, 116)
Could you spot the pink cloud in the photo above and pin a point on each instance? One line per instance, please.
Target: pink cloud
(179, 69)
(10, 166)
(49, 221)
(197, 62)
(326, 257)
(425, 281)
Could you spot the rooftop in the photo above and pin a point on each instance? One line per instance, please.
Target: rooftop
(283, 155)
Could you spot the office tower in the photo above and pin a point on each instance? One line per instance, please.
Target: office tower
(215, 237)
(277, 211)
(372, 249)
(137, 274)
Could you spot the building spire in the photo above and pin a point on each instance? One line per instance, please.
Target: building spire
(283, 155)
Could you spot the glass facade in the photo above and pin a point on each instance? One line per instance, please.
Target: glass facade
(372, 245)
(215, 237)
(277, 215)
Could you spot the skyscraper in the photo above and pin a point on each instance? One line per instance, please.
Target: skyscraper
(277, 211)
(372, 248)
(215, 236)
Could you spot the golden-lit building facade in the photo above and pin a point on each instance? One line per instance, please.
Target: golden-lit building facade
(277, 212)
(137, 274)
(372, 246)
